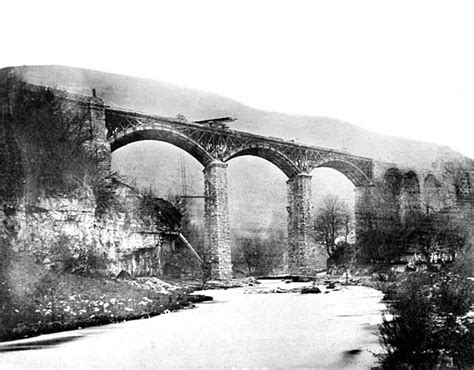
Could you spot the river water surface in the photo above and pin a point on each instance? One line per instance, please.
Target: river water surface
(239, 329)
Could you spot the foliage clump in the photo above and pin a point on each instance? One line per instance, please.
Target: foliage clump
(425, 326)
(55, 139)
(424, 234)
(258, 253)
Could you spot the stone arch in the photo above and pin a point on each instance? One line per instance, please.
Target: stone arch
(353, 173)
(410, 196)
(165, 134)
(432, 181)
(431, 194)
(273, 156)
(410, 183)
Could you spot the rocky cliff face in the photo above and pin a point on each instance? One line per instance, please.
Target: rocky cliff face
(60, 230)
(59, 200)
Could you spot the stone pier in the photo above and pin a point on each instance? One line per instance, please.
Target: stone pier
(365, 209)
(300, 225)
(217, 254)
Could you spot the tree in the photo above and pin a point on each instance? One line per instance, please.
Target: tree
(332, 221)
(259, 253)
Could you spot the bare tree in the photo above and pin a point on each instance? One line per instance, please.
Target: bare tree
(259, 252)
(332, 221)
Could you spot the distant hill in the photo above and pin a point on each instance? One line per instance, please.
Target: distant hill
(169, 100)
(258, 190)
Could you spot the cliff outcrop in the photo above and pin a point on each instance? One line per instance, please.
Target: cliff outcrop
(58, 196)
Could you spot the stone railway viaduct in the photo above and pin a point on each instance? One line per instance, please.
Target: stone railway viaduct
(383, 190)
(213, 147)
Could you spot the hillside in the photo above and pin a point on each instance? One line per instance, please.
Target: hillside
(257, 189)
(169, 100)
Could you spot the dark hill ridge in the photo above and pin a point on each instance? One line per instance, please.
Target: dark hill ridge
(169, 100)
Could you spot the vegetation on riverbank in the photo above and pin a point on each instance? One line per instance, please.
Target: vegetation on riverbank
(427, 324)
(43, 301)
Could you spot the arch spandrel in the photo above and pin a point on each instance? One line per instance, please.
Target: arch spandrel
(164, 134)
(273, 156)
(352, 172)
(301, 161)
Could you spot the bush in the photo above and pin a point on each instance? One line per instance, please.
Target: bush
(87, 262)
(436, 233)
(424, 326)
(259, 254)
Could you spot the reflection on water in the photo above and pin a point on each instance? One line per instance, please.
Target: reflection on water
(37, 344)
(240, 329)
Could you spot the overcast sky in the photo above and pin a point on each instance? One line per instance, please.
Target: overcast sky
(403, 68)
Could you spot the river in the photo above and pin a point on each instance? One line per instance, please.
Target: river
(239, 329)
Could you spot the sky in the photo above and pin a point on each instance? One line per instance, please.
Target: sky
(402, 68)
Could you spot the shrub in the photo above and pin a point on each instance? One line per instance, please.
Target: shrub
(424, 327)
(258, 253)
